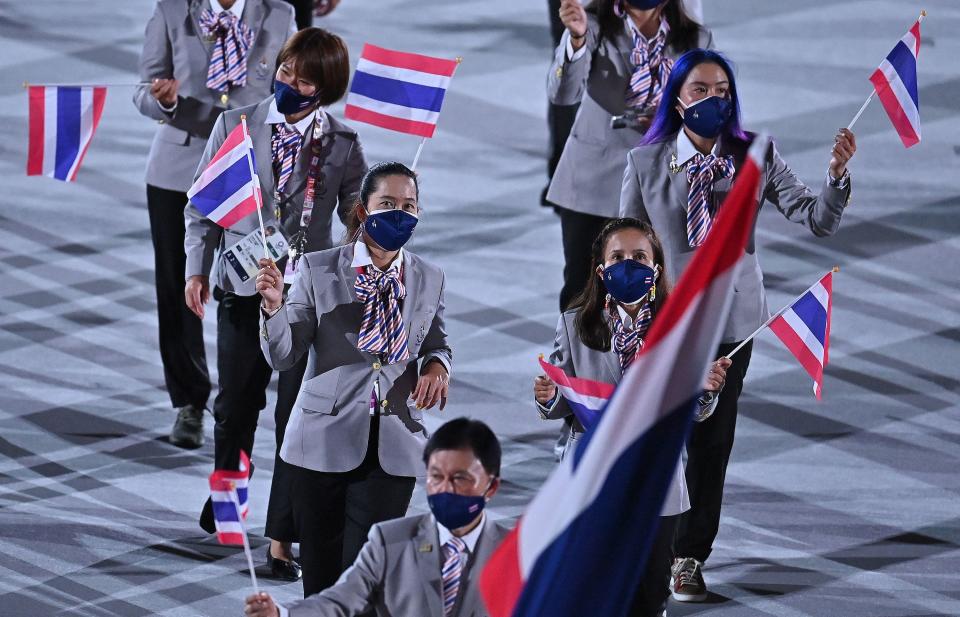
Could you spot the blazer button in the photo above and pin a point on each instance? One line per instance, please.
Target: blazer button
(559, 72)
(376, 366)
(383, 404)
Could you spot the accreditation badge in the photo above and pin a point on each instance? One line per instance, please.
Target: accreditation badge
(243, 258)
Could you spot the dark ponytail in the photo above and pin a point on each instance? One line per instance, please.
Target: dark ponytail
(368, 185)
(590, 321)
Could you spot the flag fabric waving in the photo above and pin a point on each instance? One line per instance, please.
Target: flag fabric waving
(895, 83)
(398, 90)
(61, 126)
(585, 397)
(228, 494)
(583, 539)
(804, 327)
(224, 191)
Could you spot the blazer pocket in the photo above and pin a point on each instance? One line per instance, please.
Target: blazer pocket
(319, 394)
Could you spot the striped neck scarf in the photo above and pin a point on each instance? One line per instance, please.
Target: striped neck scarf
(702, 172)
(651, 66)
(285, 144)
(628, 342)
(231, 43)
(381, 330)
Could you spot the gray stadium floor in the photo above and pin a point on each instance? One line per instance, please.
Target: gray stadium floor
(845, 507)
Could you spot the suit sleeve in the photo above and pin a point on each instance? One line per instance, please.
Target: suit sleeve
(202, 235)
(356, 167)
(560, 357)
(819, 213)
(435, 344)
(288, 334)
(156, 62)
(567, 80)
(354, 593)
(631, 197)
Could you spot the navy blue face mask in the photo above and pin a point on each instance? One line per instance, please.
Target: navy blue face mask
(454, 511)
(390, 229)
(629, 281)
(645, 5)
(289, 101)
(708, 116)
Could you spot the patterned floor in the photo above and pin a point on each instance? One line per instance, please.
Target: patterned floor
(847, 507)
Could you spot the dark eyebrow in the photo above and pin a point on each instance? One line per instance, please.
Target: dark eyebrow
(411, 199)
(703, 83)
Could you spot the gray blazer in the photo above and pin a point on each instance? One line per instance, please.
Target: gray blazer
(343, 168)
(578, 360)
(590, 170)
(329, 426)
(174, 48)
(397, 574)
(652, 192)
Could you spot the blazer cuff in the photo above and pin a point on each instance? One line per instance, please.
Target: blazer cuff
(167, 110)
(440, 357)
(570, 55)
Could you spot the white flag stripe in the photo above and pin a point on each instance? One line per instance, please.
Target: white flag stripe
(591, 402)
(86, 126)
(900, 92)
(806, 335)
(218, 167)
(820, 293)
(389, 109)
(391, 72)
(696, 337)
(911, 42)
(49, 131)
(230, 203)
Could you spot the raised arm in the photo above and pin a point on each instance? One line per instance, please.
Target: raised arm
(555, 407)
(567, 78)
(287, 328)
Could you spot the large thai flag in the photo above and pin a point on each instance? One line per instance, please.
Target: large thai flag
(586, 398)
(582, 543)
(398, 90)
(62, 123)
(895, 82)
(229, 496)
(804, 327)
(224, 191)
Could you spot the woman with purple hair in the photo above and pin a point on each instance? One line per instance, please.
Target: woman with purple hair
(675, 180)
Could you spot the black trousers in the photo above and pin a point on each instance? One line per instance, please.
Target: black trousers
(651, 596)
(708, 451)
(280, 524)
(303, 13)
(559, 117)
(333, 513)
(578, 230)
(181, 332)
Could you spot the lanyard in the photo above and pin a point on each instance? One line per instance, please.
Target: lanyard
(298, 242)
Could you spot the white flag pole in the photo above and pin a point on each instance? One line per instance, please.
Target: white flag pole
(874, 91)
(246, 542)
(128, 84)
(255, 185)
(770, 321)
(423, 140)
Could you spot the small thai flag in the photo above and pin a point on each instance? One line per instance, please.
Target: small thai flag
(398, 90)
(224, 191)
(804, 327)
(62, 122)
(228, 494)
(585, 397)
(895, 82)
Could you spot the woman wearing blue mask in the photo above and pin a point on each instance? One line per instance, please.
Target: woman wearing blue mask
(310, 165)
(599, 338)
(370, 316)
(675, 180)
(613, 59)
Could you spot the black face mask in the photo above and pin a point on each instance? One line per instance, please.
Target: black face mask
(644, 5)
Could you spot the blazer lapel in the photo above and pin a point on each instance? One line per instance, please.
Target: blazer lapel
(624, 44)
(489, 539)
(253, 16)
(413, 281)
(426, 546)
(197, 7)
(262, 133)
(348, 275)
(612, 363)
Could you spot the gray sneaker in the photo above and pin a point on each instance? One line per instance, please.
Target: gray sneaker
(187, 431)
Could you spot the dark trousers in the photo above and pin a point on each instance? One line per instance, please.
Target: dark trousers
(559, 117)
(280, 524)
(650, 598)
(333, 513)
(181, 332)
(578, 230)
(303, 13)
(708, 451)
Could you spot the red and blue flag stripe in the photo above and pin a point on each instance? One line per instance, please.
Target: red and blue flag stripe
(224, 190)
(895, 82)
(586, 398)
(229, 498)
(804, 327)
(61, 126)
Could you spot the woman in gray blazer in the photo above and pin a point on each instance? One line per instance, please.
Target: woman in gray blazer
(300, 150)
(599, 338)
(370, 313)
(613, 59)
(675, 180)
(181, 60)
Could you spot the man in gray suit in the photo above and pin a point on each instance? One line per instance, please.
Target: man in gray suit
(182, 60)
(427, 565)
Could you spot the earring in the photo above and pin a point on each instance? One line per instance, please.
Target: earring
(653, 292)
(606, 303)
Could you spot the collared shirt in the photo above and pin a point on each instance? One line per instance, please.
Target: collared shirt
(275, 117)
(361, 257)
(236, 9)
(686, 150)
(625, 317)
